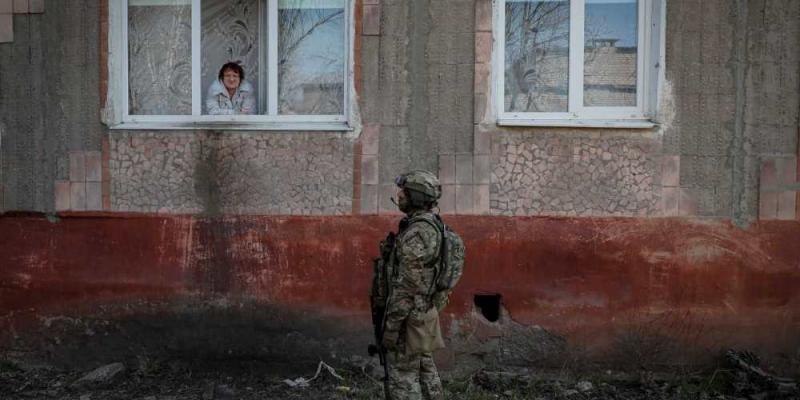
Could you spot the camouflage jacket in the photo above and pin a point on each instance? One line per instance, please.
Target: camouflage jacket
(412, 272)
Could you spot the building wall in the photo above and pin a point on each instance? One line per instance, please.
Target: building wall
(231, 173)
(568, 224)
(728, 110)
(678, 289)
(50, 100)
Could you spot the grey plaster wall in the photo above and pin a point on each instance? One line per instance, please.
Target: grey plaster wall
(701, 68)
(424, 82)
(49, 100)
(736, 80)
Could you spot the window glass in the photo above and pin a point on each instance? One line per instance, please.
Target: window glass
(159, 57)
(537, 55)
(230, 33)
(311, 56)
(610, 53)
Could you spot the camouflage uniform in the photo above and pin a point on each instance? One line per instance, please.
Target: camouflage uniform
(402, 284)
(411, 376)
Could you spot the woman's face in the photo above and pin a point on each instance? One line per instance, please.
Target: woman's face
(230, 79)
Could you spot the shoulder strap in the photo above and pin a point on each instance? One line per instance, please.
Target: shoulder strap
(441, 228)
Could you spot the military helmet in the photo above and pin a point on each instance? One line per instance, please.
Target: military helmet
(422, 182)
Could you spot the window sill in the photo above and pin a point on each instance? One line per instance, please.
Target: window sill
(235, 126)
(575, 123)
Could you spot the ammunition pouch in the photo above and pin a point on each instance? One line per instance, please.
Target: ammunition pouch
(423, 333)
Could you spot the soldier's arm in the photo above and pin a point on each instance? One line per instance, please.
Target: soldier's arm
(418, 247)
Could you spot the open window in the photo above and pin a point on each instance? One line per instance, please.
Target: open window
(578, 62)
(294, 56)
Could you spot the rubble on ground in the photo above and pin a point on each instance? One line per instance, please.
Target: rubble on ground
(739, 376)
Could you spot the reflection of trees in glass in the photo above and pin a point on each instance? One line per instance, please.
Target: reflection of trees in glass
(311, 60)
(230, 33)
(537, 55)
(159, 60)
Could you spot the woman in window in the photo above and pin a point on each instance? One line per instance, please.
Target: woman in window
(230, 94)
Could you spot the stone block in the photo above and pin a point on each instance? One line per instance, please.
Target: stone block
(62, 195)
(77, 166)
(77, 197)
(447, 169)
(482, 78)
(786, 170)
(370, 139)
(20, 6)
(670, 199)
(369, 199)
(483, 15)
(369, 169)
(371, 20)
(480, 107)
(482, 142)
(36, 6)
(6, 6)
(787, 203)
(463, 169)
(372, 1)
(767, 205)
(482, 169)
(94, 166)
(370, 91)
(670, 170)
(483, 47)
(687, 204)
(94, 196)
(769, 174)
(447, 203)
(106, 188)
(482, 196)
(464, 199)
(6, 28)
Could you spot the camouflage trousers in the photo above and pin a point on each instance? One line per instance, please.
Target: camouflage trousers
(413, 377)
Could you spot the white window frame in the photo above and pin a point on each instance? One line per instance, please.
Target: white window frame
(116, 113)
(650, 69)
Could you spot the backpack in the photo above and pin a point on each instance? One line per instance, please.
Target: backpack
(451, 255)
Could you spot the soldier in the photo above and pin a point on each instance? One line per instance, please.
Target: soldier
(404, 285)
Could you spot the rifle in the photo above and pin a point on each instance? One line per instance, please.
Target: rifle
(381, 288)
(378, 348)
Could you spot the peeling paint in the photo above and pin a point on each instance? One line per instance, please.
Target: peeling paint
(568, 275)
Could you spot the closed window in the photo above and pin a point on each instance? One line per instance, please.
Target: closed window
(577, 60)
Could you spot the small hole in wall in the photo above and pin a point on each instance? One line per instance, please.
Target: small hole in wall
(489, 306)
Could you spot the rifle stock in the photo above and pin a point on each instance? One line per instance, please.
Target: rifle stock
(381, 291)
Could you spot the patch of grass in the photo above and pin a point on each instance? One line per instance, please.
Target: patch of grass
(8, 366)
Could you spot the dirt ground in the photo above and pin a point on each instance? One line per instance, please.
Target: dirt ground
(183, 380)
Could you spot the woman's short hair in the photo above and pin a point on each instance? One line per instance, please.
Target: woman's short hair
(233, 67)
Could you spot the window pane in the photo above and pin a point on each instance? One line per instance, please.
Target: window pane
(610, 53)
(160, 57)
(311, 56)
(230, 34)
(537, 56)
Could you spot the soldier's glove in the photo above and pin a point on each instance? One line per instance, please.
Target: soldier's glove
(390, 340)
